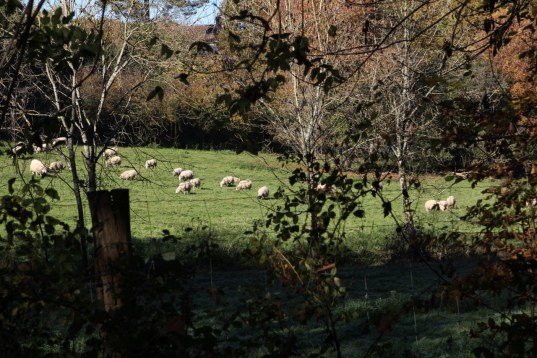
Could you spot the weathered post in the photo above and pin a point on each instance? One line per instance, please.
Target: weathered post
(110, 216)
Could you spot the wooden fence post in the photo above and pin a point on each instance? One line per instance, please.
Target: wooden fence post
(110, 214)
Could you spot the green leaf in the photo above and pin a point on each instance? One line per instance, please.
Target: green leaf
(337, 281)
(281, 36)
(53, 193)
(153, 41)
(157, 91)
(183, 77)
(165, 51)
(234, 38)
(314, 73)
(387, 206)
(332, 31)
(10, 185)
(201, 46)
(87, 51)
(52, 221)
(328, 84)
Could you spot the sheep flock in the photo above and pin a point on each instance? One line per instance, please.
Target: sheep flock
(188, 182)
(441, 205)
(112, 159)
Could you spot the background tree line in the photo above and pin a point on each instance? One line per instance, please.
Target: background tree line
(188, 117)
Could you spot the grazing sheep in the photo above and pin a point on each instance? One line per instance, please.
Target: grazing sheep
(442, 205)
(151, 163)
(130, 174)
(37, 167)
(55, 167)
(177, 171)
(39, 149)
(226, 181)
(263, 192)
(186, 175)
(115, 160)
(110, 152)
(244, 184)
(196, 183)
(323, 188)
(431, 205)
(56, 142)
(451, 202)
(183, 188)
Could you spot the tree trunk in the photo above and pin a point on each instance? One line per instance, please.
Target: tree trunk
(146, 13)
(403, 121)
(409, 218)
(91, 168)
(78, 198)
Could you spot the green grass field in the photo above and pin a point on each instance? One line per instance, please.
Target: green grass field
(228, 213)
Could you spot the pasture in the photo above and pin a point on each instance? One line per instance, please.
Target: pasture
(227, 213)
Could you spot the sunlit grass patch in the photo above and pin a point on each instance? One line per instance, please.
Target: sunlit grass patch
(229, 213)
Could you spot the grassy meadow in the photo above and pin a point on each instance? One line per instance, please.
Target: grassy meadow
(371, 290)
(228, 213)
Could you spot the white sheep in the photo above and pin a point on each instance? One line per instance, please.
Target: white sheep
(442, 205)
(55, 167)
(186, 175)
(236, 180)
(151, 163)
(115, 160)
(39, 149)
(110, 152)
(130, 174)
(37, 167)
(195, 182)
(183, 188)
(263, 192)
(226, 181)
(451, 202)
(431, 205)
(324, 188)
(244, 184)
(177, 171)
